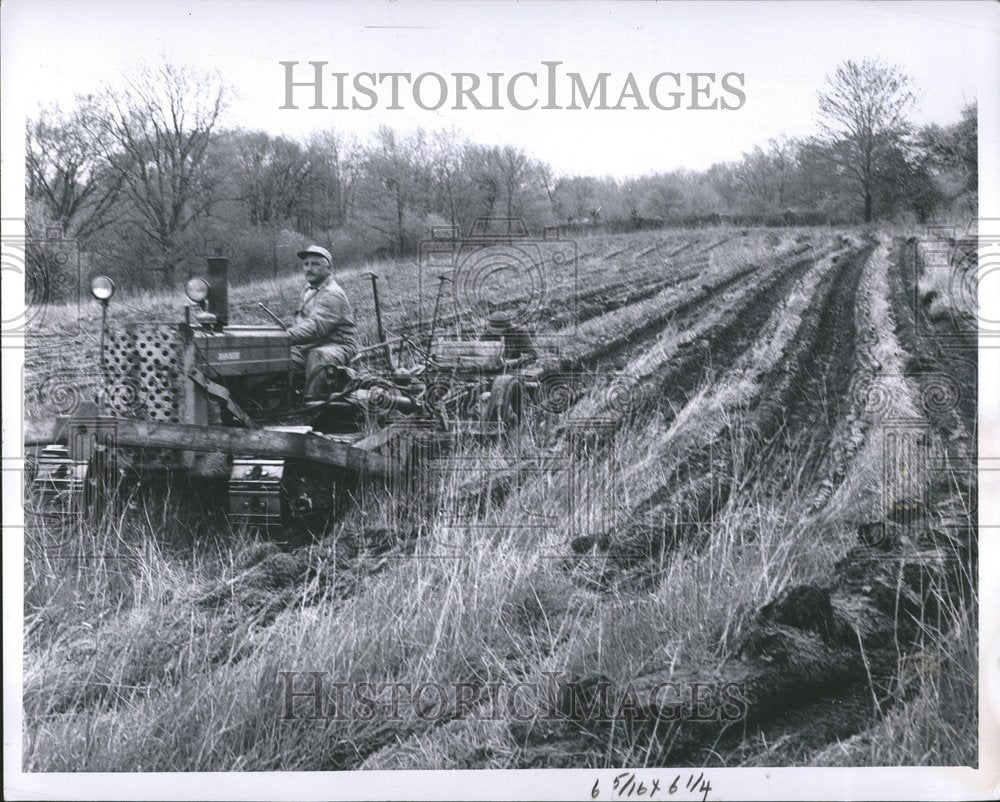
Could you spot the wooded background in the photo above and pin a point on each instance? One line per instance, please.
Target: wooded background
(147, 178)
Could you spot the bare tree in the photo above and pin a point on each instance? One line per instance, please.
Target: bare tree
(155, 132)
(479, 166)
(764, 175)
(864, 108)
(335, 162)
(390, 168)
(514, 168)
(446, 158)
(66, 173)
(271, 173)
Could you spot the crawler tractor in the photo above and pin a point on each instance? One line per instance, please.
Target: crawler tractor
(216, 400)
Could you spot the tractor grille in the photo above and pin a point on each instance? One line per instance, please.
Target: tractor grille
(144, 365)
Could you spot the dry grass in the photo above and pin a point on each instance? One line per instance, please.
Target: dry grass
(140, 673)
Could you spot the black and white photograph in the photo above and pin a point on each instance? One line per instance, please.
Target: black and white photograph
(500, 400)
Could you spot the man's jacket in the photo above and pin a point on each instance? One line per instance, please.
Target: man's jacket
(324, 317)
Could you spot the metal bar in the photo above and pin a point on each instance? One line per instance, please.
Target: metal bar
(437, 305)
(378, 322)
(218, 391)
(273, 316)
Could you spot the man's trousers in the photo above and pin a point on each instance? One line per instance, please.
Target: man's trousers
(318, 360)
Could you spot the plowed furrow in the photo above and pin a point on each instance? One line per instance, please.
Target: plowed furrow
(716, 351)
(724, 339)
(634, 284)
(819, 393)
(635, 337)
(705, 477)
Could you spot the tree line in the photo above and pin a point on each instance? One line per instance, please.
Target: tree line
(147, 180)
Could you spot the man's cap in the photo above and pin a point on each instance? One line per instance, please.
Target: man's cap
(316, 250)
(499, 320)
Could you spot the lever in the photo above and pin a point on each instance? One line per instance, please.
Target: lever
(273, 316)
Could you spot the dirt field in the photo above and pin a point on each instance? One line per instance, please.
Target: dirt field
(760, 552)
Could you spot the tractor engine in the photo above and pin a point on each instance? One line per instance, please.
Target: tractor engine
(200, 371)
(176, 373)
(196, 396)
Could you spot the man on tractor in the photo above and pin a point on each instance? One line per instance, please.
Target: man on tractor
(518, 344)
(323, 336)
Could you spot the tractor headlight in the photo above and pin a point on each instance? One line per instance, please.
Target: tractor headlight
(196, 289)
(102, 288)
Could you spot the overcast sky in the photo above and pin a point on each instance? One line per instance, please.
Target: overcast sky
(55, 48)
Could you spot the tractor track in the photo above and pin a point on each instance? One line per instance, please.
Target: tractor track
(945, 369)
(602, 300)
(720, 347)
(808, 679)
(715, 350)
(849, 706)
(867, 684)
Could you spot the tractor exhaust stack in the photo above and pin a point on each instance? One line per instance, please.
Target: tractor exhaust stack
(218, 293)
